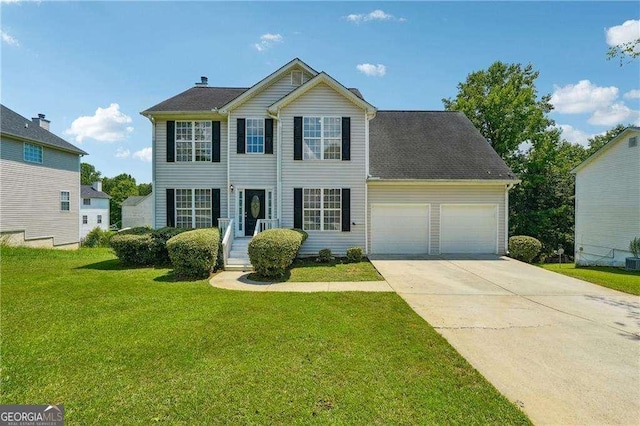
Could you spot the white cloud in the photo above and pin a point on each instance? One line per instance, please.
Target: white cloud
(632, 94)
(9, 39)
(145, 154)
(574, 135)
(122, 153)
(376, 15)
(582, 97)
(627, 32)
(106, 125)
(267, 41)
(614, 114)
(372, 70)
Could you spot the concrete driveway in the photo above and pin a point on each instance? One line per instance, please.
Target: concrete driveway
(566, 351)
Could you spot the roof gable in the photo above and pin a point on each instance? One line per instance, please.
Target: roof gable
(197, 99)
(13, 124)
(605, 148)
(87, 191)
(431, 145)
(266, 82)
(323, 77)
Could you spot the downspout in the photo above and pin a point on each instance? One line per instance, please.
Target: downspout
(278, 194)
(153, 172)
(366, 185)
(506, 217)
(229, 168)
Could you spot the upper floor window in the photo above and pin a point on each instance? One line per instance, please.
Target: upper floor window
(65, 201)
(32, 153)
(255, 135)
(322, 138)
(86, 201)
(193, 208)
(322, 209)
(193, 141)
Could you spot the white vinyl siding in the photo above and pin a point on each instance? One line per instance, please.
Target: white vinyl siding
(437, 195)
(96, 207)
(30, 194)
(203, 174)
(324, 101)
(608, 204)
(139, 215)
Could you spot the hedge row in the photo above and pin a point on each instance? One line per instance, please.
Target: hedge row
(272, 251)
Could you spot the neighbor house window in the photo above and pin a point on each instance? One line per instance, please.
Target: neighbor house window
(322, 209)
(322, 137)
(85, 219)
(193, 140)
(65, 201)
(99, 218)
(32, 153)
(193, 208)
(255, 135)
(86, 201)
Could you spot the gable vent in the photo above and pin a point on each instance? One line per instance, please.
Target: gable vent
(633, 142)
(296, 78)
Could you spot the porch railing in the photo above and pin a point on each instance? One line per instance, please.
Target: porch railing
(264, 224)
(227, 240)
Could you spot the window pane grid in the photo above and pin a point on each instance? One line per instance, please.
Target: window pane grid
(193, 208)
(32, 153)
(255, 135)
(322, 209)
(193, 141)
(65, 201)
(322, 138)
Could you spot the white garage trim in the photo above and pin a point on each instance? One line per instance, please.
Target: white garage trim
(400, 205)
(497, 209)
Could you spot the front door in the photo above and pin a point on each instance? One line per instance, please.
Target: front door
(254, 209)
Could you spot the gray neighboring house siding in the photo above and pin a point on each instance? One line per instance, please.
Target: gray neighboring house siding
(30, 208)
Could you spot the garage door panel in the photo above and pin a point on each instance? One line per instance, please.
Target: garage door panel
(399, 229)
(468, 229)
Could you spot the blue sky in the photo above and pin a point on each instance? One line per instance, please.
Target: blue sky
(91, 67)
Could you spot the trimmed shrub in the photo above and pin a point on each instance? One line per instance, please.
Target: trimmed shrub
(160, 237)
(193, 254)
(138, 230)
(325, 256)
(272, 251)
(97, 237)
(524, 248)
(303, 233)
(133, 249)
(354, 254)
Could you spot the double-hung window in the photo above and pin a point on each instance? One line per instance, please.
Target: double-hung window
(321, 209)
(255, 135)
(322, 138)
(85, 219)
(32, 153)
(193, 208)
(65, 201)
(99, 218)
(193, 141)
(86, 201)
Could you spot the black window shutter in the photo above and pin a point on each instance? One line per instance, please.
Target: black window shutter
(297, 138)
(215, 141)
(215, 207)
(268, 135)
(171, 141)
(297, 208)
(346, 138)
(346, 209)
(240, 135)
(171, 211)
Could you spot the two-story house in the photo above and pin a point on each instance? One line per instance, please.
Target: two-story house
(299, 149)
(94, 208)
(39, 183)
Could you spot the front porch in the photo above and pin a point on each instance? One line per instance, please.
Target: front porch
(235, 248)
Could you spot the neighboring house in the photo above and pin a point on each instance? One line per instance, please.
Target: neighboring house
(299, 149)
(608, 201)
(39, 184)
(94, 209)
(137, 210)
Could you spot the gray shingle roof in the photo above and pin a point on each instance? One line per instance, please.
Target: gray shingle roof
(134, 200)
(87, 191)
(431, 145)
(205, 99)
(12, 123)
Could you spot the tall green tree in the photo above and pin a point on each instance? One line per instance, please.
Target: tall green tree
(502, 102)
(89, 174)
(597, 142)
(144, 188)
(119, 188)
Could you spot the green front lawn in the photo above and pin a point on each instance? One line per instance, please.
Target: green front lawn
(308, 270)
(133, 346)
(615, 278)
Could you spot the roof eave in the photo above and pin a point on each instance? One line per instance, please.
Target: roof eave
(604, 148)
(382, 181)
(76, 151)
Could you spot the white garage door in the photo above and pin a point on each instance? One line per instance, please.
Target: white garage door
(468, 229)
(400, 229)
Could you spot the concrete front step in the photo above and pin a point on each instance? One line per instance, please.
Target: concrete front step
(243, 268)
